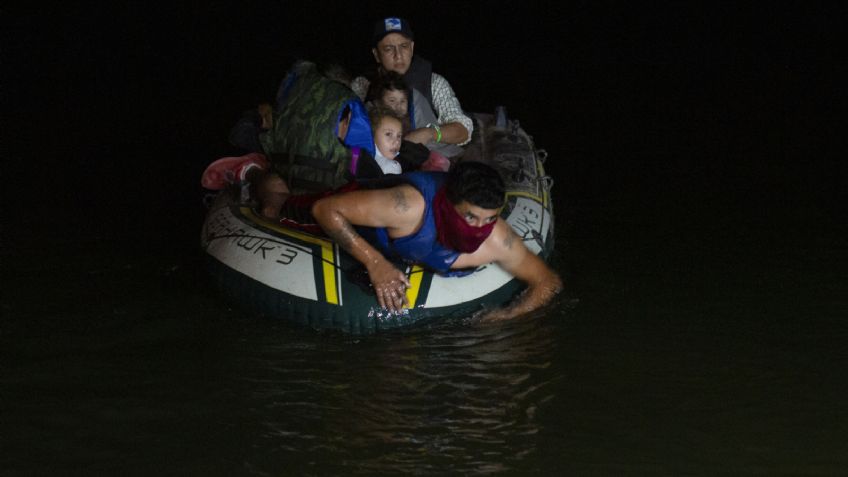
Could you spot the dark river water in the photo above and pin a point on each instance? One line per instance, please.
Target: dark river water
(692, 339)
(700, 230)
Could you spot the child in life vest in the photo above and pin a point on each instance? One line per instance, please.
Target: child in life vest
(388, 134)
(389, 91)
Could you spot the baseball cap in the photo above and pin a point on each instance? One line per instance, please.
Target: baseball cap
(388, 25)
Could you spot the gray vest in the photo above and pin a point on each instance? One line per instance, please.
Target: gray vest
(424, 115)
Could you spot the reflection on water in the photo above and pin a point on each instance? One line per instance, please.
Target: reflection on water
(453, 398)
(133, 365)
(695, 348)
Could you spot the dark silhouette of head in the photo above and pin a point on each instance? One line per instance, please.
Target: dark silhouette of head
(386, 81)
(476, 183)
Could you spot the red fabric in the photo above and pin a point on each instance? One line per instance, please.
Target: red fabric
(306, 200)
(454, 232)
(436, 161)
(297, 210)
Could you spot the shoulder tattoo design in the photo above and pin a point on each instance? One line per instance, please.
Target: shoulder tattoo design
(400, 203)
(509, 239)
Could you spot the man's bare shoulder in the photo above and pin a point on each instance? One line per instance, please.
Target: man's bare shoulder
(402, 206)
(399, 206)
(395, 207)
(406, 199)
(503, 239)
(401, 198)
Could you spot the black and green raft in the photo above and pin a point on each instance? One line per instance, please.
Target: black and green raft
(307, 279)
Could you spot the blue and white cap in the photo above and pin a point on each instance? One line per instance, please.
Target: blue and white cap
(388, 25)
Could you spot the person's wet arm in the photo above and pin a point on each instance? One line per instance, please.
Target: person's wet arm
(337, 214)
(543, 284)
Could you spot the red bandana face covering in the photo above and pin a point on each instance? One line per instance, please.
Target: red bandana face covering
(454, 232)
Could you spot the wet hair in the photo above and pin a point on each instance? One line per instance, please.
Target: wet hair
(477, 183)
(386, 81)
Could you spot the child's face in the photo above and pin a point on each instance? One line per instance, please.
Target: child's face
(396, 100)
(387, 137)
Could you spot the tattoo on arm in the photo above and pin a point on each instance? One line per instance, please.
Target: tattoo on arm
(401, 205)
(509, 240)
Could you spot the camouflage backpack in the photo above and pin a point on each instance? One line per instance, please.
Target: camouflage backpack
(303, 143)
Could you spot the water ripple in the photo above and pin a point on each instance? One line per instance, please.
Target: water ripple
(455, 398)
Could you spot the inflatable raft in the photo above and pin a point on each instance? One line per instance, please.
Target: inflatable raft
(307, 279)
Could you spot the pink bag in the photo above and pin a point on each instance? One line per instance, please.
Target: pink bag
(436, 162)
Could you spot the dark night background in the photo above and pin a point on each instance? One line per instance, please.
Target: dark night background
(699, 164)
(112, 107)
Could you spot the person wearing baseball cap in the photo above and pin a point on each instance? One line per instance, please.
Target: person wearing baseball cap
(437, 117)
(392, 25)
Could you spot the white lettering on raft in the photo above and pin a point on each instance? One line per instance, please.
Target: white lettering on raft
(220, 227)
